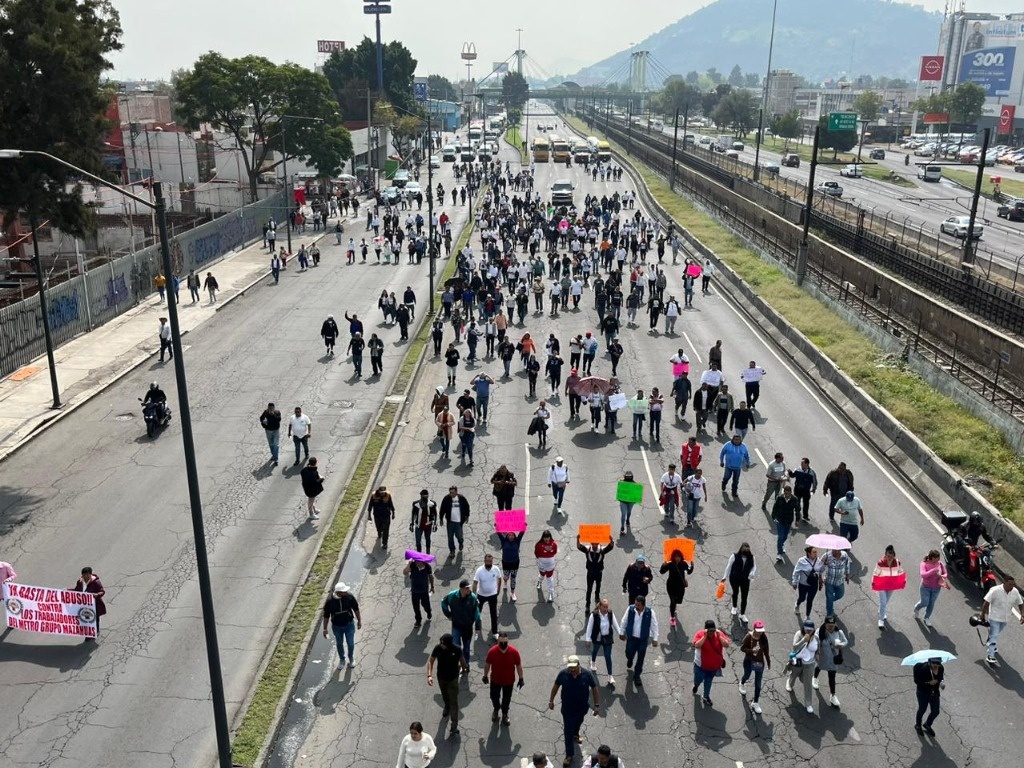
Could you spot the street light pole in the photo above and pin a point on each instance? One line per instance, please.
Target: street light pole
(158, 206)
(764, 97)
(289, 190)
(44, 310)
(430, 207)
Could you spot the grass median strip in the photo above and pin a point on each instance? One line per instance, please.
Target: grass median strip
(967, 443)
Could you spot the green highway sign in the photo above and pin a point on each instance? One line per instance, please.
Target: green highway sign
(842, 121)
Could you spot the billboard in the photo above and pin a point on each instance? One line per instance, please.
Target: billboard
(931, 68)
(991, 68)
(329, 46)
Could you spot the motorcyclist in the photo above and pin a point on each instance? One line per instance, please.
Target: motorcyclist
(156, 395)
(968, 534)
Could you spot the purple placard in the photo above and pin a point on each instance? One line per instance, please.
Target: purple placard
(423, 557)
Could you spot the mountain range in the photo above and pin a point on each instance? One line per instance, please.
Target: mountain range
(818, 39)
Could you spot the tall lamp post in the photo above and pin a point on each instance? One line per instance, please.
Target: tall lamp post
(159, 207)
(44, 308)
(764, 97)
(468, 55)
(289, 190)
(376, 8)
(421, 92)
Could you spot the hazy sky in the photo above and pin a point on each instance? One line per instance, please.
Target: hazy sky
(161, 36)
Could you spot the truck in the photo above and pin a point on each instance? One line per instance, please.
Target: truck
(723, 142)
(604, 151)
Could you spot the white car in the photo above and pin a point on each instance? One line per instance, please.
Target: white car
(435, 161)
(830, 188)
(957, 227)
(852, 171)
(448, 153)
(413, 188)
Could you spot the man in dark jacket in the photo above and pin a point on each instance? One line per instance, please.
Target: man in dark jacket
(682, 390)
(382, 512)
(375, 346)
(270, 420)
(929, 677)
(462, 608)
(424, 519)
(312, 486)
(837, 483)
(454, 514)
(637, 578)
(784, 513)
(329, 330)
(402, 316)
(595, 566)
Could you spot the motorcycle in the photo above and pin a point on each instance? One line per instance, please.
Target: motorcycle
(974, 562)
(156, 415)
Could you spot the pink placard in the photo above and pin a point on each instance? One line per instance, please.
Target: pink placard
(423, 557)
(510, 520)
(694, 270)
(678, 369)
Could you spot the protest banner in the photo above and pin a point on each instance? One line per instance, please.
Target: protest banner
(595, 533)
(631, 493)
(686, 546)
(423, 557)
(617, 401)
(50, 611)
(510, 520)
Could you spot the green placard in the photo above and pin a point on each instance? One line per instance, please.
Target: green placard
(631, 493)
(842, 121)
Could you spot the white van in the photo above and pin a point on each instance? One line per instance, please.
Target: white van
(930, 173)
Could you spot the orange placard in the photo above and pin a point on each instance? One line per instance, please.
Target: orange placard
(595, 533)
(686, 546)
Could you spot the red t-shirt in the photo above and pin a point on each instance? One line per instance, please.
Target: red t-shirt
(503, 665)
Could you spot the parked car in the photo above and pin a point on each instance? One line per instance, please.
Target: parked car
(791, 160)
(830, 188)
(957, 227)
(877, 154)
(852, 171)
(435, 161)
(390, 194)
(1012, 210)
(401, 177)
(448, 153)
(412, 189)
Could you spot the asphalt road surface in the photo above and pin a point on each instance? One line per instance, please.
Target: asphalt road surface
(94, 490)
(358, 716)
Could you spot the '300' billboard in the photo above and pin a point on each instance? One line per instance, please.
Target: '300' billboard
(991, 68)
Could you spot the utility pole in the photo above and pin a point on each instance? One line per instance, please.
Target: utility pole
(675, 144)
(969, 246)
(44, 310)
(801, 251)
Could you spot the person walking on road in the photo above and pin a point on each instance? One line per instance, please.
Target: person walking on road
(690, 456)
(709, 658)
(424, 519)
(192, 281)
(576, 686)
(546, 552)
(601, 631)
(637, 578)
(997, 609)
(329, 331)
(462, 608)
(785, 511)
(831, 641)
(481, 384)
(161, 285)
(837, 483)
(739, 570)
(626, 507)
(510, 545)
(421, 587)
(450, 664)
(933, 579)
(851, 516)
(733, 458)
(723, 407)
(696, 489)
(703, 400)
(270, 420)
(677, 569)
(540, 423)
(805, 483)
(451, 361)
(87, 582)
(503, 483)
(741, 420)
(756, 658)
(485, 586)
(381, 510)
(807, 579)
(165, 339)
(835, 575)
(604, 758)
(446, 425)
(670, 491)
(300, 429)
(751, 377)
(930, 681)
(312, 486)
(775, 475)
(375, 346)
(803, 660)
(639, 627)
(417, 748)
(211, 286)
(682, 391)
(467, 435)
(502, 666)
(558, 481)
(341, 611)
(887, 578)
(595, 554)
(356, 345)
(454, 514)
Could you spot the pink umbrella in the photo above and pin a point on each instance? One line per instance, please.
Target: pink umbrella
(827, 541)
(585, 386)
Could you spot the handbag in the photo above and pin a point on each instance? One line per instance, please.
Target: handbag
(838, 656)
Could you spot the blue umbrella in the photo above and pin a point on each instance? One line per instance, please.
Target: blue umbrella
(920, 656)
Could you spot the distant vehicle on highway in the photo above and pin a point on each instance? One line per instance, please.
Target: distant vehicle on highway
(852, 171)
(772, 169)
(733, 153)
(791, 160)
(561, 192)
(830, 188)
(448, 153)
(1012, 210)
(930, 173)
(957, 227)
(877, 154)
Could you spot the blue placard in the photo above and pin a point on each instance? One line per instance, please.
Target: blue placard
(419, 91)
(991, 68)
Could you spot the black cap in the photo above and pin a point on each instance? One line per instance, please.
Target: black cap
(463, 583)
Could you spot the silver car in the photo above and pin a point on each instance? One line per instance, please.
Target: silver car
(957, 227)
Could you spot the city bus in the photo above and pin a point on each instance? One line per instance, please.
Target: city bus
(560, 151)
(541, 150)
(604, 151)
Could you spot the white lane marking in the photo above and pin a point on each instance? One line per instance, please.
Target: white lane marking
(839, 423)
(763, 462)
(650, 477)
(526, 501)
(693, 346)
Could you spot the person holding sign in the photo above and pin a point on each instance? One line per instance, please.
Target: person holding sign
(595, 565)
(628, 493)
(677, 568)
(510, 543)
(90, 582)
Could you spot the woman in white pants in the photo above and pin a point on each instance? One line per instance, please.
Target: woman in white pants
(546, 552)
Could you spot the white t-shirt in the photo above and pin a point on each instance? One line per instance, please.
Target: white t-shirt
(671, 481)
(1001, 603)
(300, 426)
(456, 516)
(487, 580)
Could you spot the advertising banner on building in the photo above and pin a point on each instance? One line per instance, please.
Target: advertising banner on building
(50, 611)
(931, 68)
(1006, 113)
(991, 68)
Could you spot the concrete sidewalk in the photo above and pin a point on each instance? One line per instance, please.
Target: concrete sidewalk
(90, 363)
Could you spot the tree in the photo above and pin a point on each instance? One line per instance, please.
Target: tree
(714, 75)
(514, 90)
(52, 56)
(680, 95)
(693, 77)
(248, 97)
(736, 76)
(737, 109)
(709, 100)
(352, 72)
(752, 80)
(966, 103)
(788, 126)
(441, 88)
(837, 141)
(868, 105)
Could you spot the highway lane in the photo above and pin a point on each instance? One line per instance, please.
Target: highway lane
(93, 490)
(363, 712)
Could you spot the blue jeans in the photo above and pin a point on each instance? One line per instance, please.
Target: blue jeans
(606, 649)
(274, 441)
(301, 444)
(928, 599)
(781, 534)
(833, 592)
(343, 636)
(454, 532)
(638, 648)
(692, 508)
(638, 425)
(757, 671)
(625, 510)
(506, 364)
(883, 604)
(734, 476)
(446, 444)
(357, 362)
(467, 444)
(703, 676)
(995, 629)
(481, 406)
(559, 493)
(463, 636)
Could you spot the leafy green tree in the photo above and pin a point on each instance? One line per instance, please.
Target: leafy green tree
(354, 71)
(52, 56)
(788, 126)
(714, 75)
(693, 77)
(710, 99)
(514, 90)
(752, 80)
(514, 116)
(966, 103)
(868, 105)
(837, 141)
(736, 76)
(737, 109)
(678, 94)
(441, 88)
(248, 98)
